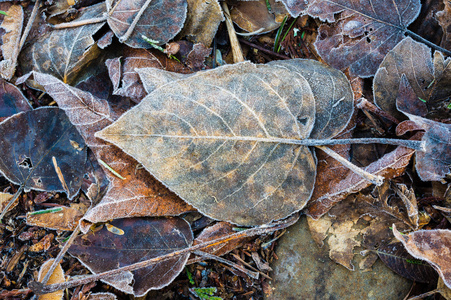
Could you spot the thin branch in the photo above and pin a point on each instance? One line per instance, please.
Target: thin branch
(61, 254)
(132, 26)
(236, 48)
(80, 23)
(39, 288)
(374, 179)
(206, 255)
(425, 41)
(27, 30)
(270, 52)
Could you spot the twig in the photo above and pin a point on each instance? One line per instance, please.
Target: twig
(249, 266)
(263, 49)
(79, 23)
(364, 104)
(425, 41)
(40, 288)
(11, 202)
(236, 48)
(60, 255)
(132, 26)
(251, 274)
(374, 179)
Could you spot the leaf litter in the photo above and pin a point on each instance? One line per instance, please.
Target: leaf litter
(433, 129)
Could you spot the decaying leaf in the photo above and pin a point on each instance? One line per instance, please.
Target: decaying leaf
(389, 166)
(159, 20)
(429, 78)
(12, 101)
(396, 258)
(28, 149)
(143, 239)
(359, 221)
(65, 52)
(433, 246)
(139, 194)
(183, 133)
(4, 200)
(444, 19)
(253, 16)
(56, 277)
(62, 218)
(12, 26)
(202, 21)
(362, 32)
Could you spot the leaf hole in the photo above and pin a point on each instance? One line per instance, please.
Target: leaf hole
(303, 121)
(26, 163)
(368, 40)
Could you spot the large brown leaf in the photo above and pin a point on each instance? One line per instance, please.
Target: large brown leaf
(159, 20)
(133, 240)
(139, 194)
(214, 139)
(362, 32)
(429, 78)
(64, 53)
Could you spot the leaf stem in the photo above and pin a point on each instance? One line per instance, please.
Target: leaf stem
(425, 41)
(40, 288)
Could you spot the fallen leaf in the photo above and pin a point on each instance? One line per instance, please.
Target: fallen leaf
(12, 101)
(432, 246)
(139, 194)
(4, 200)
(389, 166)
(56, 277)
(429, 78)
(202, 21)
(143, 239)
(396, 258)
(254, 16)
(263, 180)
(28, 149)
(196, 57)
(64, 219)
(213, 232)
(12, 26)
(359, 221)
(158, 20)
(444, 19)
(361, 33)
(64, 53)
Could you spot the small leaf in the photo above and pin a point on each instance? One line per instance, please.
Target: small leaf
(159, 20)
(432, 246)
(143, 239)
(28, 149)
(12, 26)
(396, 258)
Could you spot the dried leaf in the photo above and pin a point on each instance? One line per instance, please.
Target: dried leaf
(65, 219)
(429, 79)
(345, 228)
(396, 258)
(202, 21)
(12, 26)
(143, 239)
(254, 15)
(391, 165)
(159, 20)
(12, 101)
(444, 19)
(28, 149)
(140, 194)
(362, 32)
(216, 231)
(4, 200)
(196, 57)
(64, 53)
(56, 277)
(184, 133)
(432, 246)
